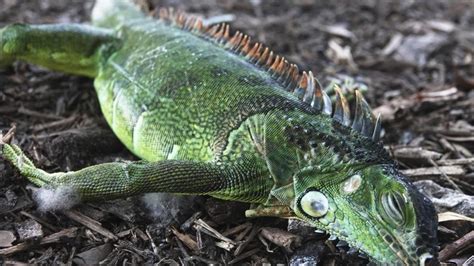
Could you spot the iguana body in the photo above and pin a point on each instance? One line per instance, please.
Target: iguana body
(217, 115)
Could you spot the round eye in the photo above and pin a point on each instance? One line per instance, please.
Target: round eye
(315, 204)
(393, 205)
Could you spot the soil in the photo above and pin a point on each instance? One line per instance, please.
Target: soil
(414, 59)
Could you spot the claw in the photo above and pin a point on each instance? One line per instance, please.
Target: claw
(8, 136)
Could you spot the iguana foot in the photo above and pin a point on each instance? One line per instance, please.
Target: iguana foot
(14, 155)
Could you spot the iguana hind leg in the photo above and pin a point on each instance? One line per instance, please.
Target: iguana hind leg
(122, 179)
(68, 48)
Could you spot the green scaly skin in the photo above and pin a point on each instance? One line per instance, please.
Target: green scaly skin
(206, 121)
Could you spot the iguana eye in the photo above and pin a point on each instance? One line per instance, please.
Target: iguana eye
(315, 204)
(393, 205)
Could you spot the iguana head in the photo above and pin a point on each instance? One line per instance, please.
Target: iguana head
(372, 208)
(368, 204)
(335, 175)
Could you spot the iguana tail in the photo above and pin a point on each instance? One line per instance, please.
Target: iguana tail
(111, 13)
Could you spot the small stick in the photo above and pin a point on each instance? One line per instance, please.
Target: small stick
(244, 243)
(89, 223)
(24, 111)
(244, 255)
(187, 240)
(236, 229)
(53, 238)
(462, 161)
(153, 245)
(8, 136)
(445, 176)
(213, 232)
(451, 249)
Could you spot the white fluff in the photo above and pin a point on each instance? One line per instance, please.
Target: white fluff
(165, 207)
(53, 199)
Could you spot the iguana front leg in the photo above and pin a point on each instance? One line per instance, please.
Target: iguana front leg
(76, 49)
(122, 179)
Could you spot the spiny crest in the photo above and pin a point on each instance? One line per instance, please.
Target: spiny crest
(303, 85)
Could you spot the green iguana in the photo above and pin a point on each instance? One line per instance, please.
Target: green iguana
(212, 113)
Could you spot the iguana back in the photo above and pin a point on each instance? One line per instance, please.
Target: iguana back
(171, 94)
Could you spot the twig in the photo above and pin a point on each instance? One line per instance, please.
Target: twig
(213, 232)
(244, 243)
(236, 229)
(89, 223)
(153, 245)
(434, 171)
(445, 176)
(451, 249)
(53, 238)
(65, 121)
(8, 136)
(244, 255)
(187, 240)
(462, 161)
(198, 258)
(24, 111)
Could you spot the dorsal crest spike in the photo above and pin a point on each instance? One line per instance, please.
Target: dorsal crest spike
(275, 63)
(235, 40)
(363, 116)
(163, 13)
(198, 25)
(377, 128)
(300, 90)
(282, 68)
(219, 32)
(341, 107)
(264, 56)
(211, 31)
(188, 25)
(171, 15)
(303, 80)
(180, 19)
(258, 53)
(269, 59)
(226, 34)
(308, 96)
(254, 50)
(245, 48)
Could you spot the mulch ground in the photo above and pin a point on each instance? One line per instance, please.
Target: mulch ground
(415, 58)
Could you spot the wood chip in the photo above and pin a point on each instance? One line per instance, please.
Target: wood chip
(6, 238)
(244, 255)
(244, 243)
(462, 161)
(186, 239)
(29, 229)
(415, 153)
(89, 223)
(214, 232)
(237, 229)
(53, 238)
(452, 216)
(451, 249)
(281, 238)
(434, 171)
